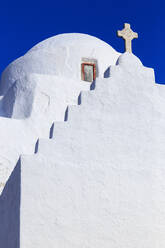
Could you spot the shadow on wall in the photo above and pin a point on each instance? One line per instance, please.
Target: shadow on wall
(18, 101)
(2, 113)
(107, 73)
(10, 211)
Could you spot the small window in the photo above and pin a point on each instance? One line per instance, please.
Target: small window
(88, 72)
(89, 69)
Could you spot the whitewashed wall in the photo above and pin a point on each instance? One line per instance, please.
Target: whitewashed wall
(37, 89)
(60, 55)
(100, 181)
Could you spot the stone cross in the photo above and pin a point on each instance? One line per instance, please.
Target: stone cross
(128, 35)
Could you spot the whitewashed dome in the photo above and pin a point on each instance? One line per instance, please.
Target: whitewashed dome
(60, 55)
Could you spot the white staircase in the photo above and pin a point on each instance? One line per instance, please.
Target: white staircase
(99, 180)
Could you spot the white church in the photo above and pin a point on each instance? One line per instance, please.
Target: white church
(82, 147)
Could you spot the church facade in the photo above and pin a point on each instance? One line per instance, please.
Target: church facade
(83, 161)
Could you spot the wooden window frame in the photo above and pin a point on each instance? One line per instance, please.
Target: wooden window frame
(94, 70)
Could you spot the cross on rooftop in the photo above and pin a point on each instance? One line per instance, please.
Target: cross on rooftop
(128, 35)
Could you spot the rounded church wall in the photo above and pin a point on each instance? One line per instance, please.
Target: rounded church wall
(60, 55)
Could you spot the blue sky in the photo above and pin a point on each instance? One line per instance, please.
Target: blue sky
(25, 23)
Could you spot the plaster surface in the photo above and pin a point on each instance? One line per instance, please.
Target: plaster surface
(48, 98)
(37, 88)
(100, 181)
(60, 55)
